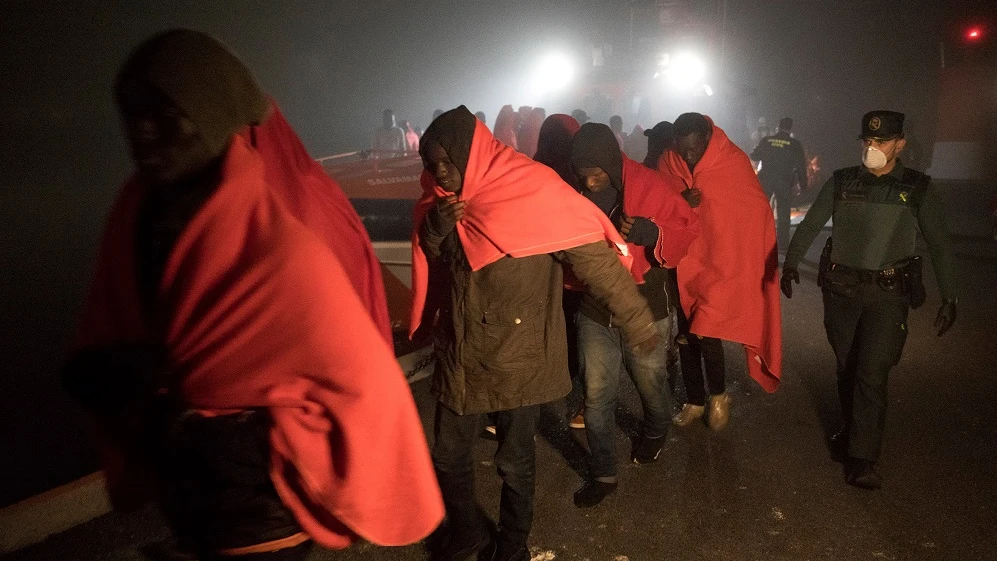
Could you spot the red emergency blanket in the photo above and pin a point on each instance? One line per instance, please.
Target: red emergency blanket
(259, 313)
(729, 281)
(515, 207)
(316, 200)
(655, 196)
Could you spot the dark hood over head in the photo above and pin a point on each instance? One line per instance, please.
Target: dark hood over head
(203, 78)
(554, 145)
(454, 131)
(595, 146)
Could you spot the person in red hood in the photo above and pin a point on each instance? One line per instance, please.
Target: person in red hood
(493, 256)
(658, 226)
(506, 127)
(235, 373)
(529, 133)
(728, 283)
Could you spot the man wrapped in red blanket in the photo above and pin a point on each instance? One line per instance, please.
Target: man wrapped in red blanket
(728, 283)
(279, 413)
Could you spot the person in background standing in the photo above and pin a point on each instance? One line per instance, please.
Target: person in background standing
(616, 125)
(783, 165)
(411, 138)
(389, 139)
(506, 129)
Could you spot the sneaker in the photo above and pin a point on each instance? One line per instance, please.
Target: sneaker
(647, 450)
(688, 414)
(592, 493)
(862, 473)
(719, 412)
(578, 421)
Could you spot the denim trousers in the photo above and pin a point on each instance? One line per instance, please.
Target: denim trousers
(515, 461)
(602, 352)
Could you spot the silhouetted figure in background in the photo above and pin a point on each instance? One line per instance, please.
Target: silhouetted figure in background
(529, 133)
(783, 166)
(659, 139)
(506, 130)
(635, 145)
(411, 137)
(389, 139)
(616, 125)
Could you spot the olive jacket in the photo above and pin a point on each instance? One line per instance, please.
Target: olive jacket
(499, 332)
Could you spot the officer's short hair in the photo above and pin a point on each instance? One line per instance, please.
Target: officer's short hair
(688, 123)
(786, 124)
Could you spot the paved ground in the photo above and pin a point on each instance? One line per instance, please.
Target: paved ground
(765, 488)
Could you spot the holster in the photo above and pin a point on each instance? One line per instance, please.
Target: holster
(825, 263)
(914, 283)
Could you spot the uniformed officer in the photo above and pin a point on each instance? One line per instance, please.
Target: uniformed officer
(870, 277)
(783, 164)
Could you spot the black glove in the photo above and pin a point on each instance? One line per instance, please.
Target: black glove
(789, 276)
(642, 232)
(946, 315)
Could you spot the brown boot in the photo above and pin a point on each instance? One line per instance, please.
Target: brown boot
(719, 411)
(688, 414)
(578, 421)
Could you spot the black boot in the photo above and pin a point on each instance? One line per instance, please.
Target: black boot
(592, 493)
(862, 473)
(839, 445)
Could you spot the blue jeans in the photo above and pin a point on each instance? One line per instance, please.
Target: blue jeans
(602, 351)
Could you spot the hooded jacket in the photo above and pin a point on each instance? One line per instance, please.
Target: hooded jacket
(645, 194)
(493, 282)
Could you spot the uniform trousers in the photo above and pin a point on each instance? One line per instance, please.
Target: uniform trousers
(783, 193)
(867, 328)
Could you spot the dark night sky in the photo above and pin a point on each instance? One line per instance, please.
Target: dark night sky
(333, 66)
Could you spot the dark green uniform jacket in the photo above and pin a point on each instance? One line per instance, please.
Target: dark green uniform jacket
(782, 161)
(876, 221)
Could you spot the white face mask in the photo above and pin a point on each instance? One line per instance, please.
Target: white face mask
(873, 158)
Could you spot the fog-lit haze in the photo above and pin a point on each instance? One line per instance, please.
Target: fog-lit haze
(333, 67)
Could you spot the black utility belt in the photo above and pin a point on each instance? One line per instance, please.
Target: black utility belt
(880, 276)
(905, 275)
